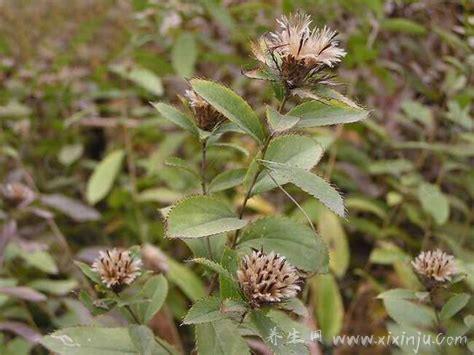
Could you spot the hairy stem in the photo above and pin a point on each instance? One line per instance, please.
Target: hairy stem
(132, 314)
(233, 242)
(203, 166)
(204, 188)
(132, 173)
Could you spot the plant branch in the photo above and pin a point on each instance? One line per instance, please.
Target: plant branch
(132, 172)
(233, 242)
(132, 314)
(203, 166)
(204, 188)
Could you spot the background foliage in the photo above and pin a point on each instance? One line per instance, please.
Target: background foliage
(77, 126)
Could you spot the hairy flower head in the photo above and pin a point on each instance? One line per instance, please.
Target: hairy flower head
(435, 265)
(267, 278)
(207, 117)
(298, 53)
(294, 38)
(117, 268)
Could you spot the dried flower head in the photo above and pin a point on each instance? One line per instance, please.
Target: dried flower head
(300, 55)
(267, 278)
(18, 193)
(117, 268)
(207, 118)
(154, 259)
(435, 265)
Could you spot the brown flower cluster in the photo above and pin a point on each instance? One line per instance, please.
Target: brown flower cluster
(267, 278)
(207, 117)
(117, 268)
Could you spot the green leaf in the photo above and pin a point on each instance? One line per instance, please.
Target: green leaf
(147, 343)
(469, 321)
(41, 260)
(309, 182)
(177, 117)
(211, 265)
(54, 287)
(90, 341)
(366, 204)
(204, 310)
(233, 146)
(294, 305)
(316, 113)
(22, 292)
(186, 280)
(278, 122)
(220, 337)
(103, 176)
(287, 238)
(87, 270)
(294, 150)
(230, 105)
(418, 112)
(179, 163)
(200, 247)
(289, 325)
(219, 13)
(184, 54)
(88, 302)
(388, 254)
(227, 180)
(154, 292)
(142, 77)
(394, 167)
(229, 289)
(274, 336)
(332, 232)
(434, 202)
(75, 209)
(70, 153)
(329, 309)
(402, 25)
(406, 312)
(200, 216)
(398, 293)
(159, 194)
(454, 305)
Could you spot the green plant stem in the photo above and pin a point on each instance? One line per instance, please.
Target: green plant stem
(132, 314)
(233, 242)
(203, 166)
(431, 291)
(132, 172)
(204, 188)
(282, 103)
